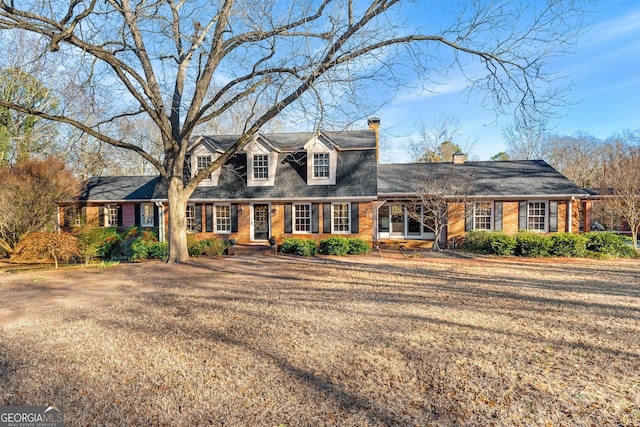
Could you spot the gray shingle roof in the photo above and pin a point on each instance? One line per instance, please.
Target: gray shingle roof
(345, 140)
(518, 178)
(119, 188)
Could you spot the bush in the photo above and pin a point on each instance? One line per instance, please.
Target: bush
(532, 244)
(358, 246)
(159, 250)
(568, 245)
(140, 245)
(61, 247)
(301, 247)
(335, 245)
(93, 241)
(207, 247)
(610, 244)
(485, 242)
(502, 244)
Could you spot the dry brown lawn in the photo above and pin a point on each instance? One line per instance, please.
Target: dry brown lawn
(275, 341)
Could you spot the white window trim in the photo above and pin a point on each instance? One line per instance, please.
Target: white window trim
(259, 148)
(491, 207)
(212, 179)
(215, 219)
(293, 218)
(546, 216)
(142, 223)
(333, 217)
(191, 230)
(107, 215)
(318, 146)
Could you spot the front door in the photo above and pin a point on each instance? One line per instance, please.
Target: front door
(261, 222)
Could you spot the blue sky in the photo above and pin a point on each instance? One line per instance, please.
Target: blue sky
(604, 97)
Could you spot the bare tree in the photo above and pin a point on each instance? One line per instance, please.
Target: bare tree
(621, 184)
(579, 157)
(443, 193)
(184, 63)
(525, 138)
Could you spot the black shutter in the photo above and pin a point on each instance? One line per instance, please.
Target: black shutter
(137, 215)
(355, 218)
(198, 217)
(326, 218)
(468, 216)
(119, 215)
(497, 216)
(522, 216)
(315, 213)
(101, 210)
(156, 216)
(288, 227)
(553, 216)
(234, 218)
(208, 209)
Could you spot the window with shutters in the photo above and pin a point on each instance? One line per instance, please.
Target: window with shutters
(482, 216)
(340, 218)
(301, 218)
(537, 216)
(223, 219)
(111, 215)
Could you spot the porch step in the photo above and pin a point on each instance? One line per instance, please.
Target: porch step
(250, 250)
(408, 244)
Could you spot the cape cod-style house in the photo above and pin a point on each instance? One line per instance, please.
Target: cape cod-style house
(314, 185)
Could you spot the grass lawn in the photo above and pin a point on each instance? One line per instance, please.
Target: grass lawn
(276, 341)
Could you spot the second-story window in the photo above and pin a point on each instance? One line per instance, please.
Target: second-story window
(202, 162)
(321, 165)
(260, 166)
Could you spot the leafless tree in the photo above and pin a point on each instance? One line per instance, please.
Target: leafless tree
(525, 138)
(579, 157)
(443, 195)
(621, 184)
(184, 63)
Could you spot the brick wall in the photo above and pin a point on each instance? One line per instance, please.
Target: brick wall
(128, 215)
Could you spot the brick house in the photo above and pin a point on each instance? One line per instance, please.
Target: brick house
(314, 185)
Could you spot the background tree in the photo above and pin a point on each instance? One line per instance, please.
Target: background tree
(621, 184)
(525, 138)
(438, 140)
(500, 157)
(183, 64)
(28, 196)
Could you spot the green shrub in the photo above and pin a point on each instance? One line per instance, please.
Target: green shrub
(531, 244)
(93, 241)
(478, 242)
(159, 250)
(141, 245)
(214, 247)
(334, 245)
(610, 244)
(358, 246)
(301, 247)
(502, 244)
(568, 245)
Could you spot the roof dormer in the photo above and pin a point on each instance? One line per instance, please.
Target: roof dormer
(201, 155)
(322, 161)
(262, 160)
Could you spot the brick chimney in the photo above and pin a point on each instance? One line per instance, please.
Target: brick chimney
(458, 158)
(374, 125)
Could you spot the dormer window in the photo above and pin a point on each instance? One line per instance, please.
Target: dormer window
(260, 166)
(321, 165)
(322, 161)
(262, 161)
(202, 162)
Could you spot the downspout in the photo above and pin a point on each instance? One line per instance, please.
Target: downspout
(58, 219)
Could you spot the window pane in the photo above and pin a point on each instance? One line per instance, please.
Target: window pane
(260, 166)
(482, 216)
(191, 218)
(111, 216)
(202, 162)
(147, 215)
(341, 218)
(223, 218)
(321, 165)
(537, 216)
(383, 219)
(302, 218)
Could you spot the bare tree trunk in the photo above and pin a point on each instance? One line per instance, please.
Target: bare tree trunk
(178, 198)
